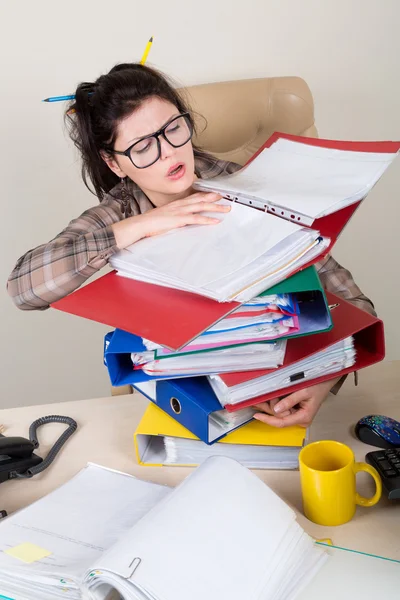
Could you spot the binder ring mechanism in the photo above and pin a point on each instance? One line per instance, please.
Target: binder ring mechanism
(274, 209)
(175, 405)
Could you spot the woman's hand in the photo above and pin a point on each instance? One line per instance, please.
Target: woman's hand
(298, 408)
(170, 216)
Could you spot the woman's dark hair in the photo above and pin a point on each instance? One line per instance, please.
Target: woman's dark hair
(93, 117)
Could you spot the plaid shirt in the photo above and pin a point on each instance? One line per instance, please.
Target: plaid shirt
(53, 270)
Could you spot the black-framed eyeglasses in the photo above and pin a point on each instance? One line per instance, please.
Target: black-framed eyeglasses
(146, 151)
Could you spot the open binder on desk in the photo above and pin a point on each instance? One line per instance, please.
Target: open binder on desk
(238, 390)
(220, 534)
(152, 311)
(160, 440)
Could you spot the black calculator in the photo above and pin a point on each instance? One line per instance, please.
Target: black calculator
(387, 463)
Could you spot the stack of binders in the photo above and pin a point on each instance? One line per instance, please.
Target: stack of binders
(211, 321)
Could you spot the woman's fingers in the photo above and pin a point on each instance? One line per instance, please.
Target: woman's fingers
(204, 207)
(200, 220)
(195, 198)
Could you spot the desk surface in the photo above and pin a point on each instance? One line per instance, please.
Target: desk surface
(105, 436)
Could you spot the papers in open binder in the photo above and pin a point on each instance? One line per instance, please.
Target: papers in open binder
(296, 184)
(231, 549)
(152, 547)
(248, 252)
(304, 179)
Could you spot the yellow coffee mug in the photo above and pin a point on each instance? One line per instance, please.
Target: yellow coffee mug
(328, 483)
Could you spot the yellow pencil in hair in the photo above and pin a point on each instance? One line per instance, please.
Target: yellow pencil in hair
(146, 51)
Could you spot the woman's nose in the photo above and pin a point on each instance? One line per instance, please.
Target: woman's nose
(166, 149)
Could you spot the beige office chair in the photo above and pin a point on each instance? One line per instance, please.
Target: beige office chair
(241, 115)
(234, 118)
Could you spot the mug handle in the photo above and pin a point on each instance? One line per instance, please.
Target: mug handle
(360, 500)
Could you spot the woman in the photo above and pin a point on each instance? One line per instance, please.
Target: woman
(134, 131)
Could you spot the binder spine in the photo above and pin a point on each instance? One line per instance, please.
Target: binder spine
(183, 408)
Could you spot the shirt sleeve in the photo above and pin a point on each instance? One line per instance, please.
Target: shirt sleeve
(53, 270)
(339, 281)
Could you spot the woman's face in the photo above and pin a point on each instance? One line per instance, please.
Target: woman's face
(172, 175)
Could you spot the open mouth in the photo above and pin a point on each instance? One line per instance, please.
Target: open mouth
(176, 170)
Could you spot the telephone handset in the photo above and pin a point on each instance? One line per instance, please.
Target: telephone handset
(17, 457)
(16, 447)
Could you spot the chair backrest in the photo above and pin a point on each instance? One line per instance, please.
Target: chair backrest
(234, 118)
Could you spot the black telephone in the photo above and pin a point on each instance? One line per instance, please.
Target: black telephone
(17, 457)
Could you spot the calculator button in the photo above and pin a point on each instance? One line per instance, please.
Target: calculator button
(390, 473)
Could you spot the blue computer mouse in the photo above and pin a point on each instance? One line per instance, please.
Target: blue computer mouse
(378, 430)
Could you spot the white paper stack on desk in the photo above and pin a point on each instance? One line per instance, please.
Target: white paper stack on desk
(221, 534)
(107, 533)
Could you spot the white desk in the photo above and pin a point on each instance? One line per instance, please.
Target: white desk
(105, 436)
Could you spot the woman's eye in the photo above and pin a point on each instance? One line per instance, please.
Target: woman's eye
(173, 128)
(142, 148)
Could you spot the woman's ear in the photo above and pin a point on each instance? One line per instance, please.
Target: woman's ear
(112, 164)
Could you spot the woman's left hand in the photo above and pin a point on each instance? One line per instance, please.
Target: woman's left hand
(298, 408)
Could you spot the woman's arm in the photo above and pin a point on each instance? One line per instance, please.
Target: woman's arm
(339, 281)
(53, 270)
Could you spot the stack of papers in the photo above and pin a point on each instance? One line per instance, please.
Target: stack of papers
(262, 319)
(248, 252)
(222, 533)
(266, 355)
(308, 180)
(238, 341)
(194, 452)
(335, 358)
